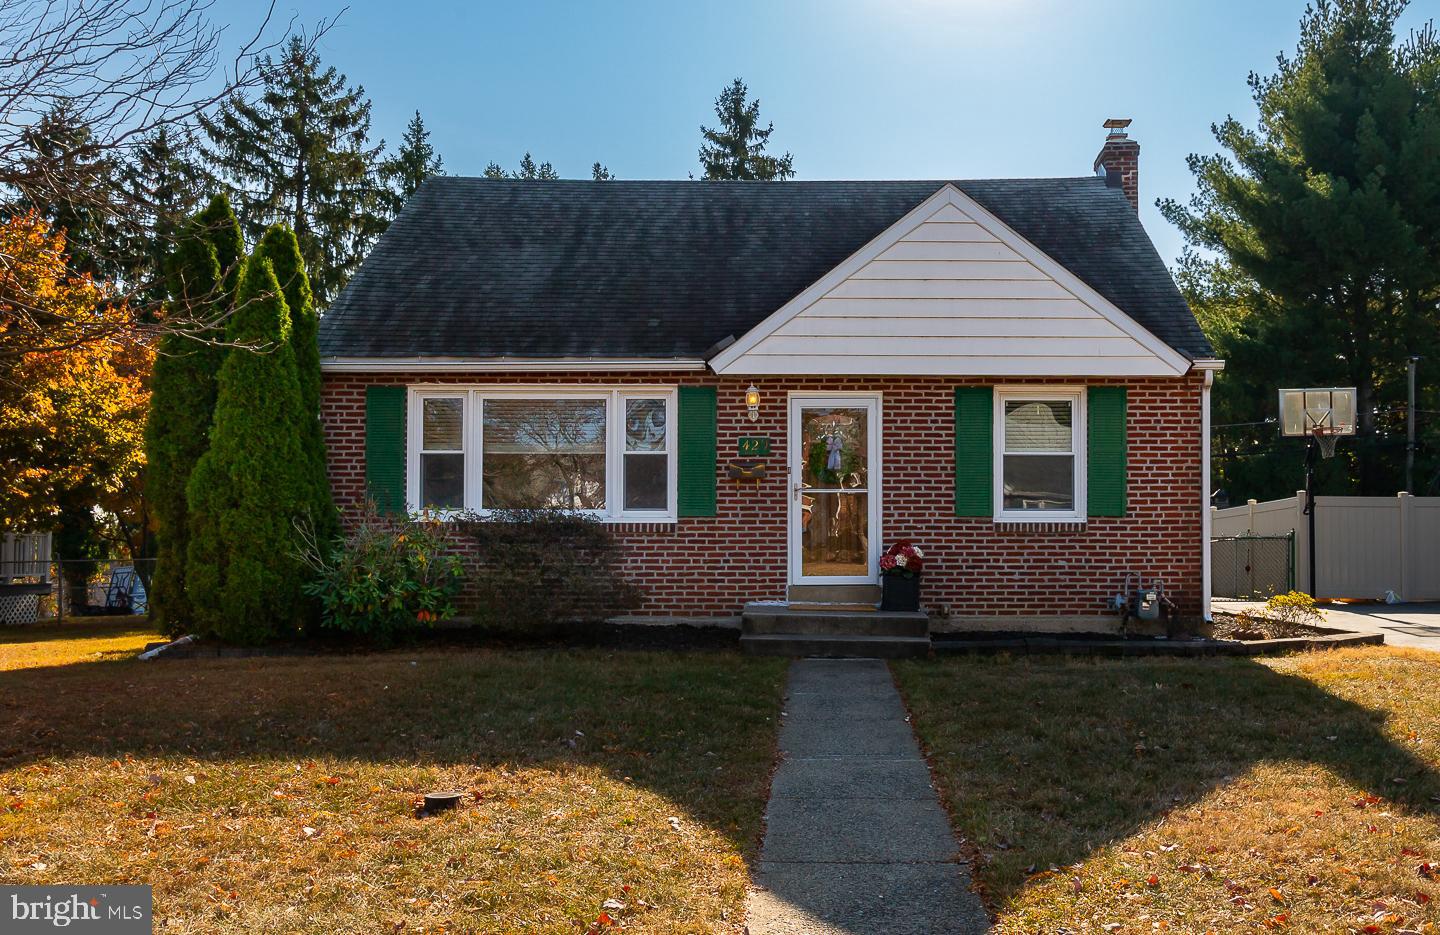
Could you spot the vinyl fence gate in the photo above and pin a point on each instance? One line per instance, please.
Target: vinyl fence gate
(1252, 567)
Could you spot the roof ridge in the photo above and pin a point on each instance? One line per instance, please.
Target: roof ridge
(797, 183)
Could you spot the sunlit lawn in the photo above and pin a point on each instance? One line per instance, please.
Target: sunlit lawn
(1190, 796)
(82, 640)
(277, 794)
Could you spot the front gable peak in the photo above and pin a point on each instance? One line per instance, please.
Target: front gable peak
(950, 290)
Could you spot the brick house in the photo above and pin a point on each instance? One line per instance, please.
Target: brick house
(1001, 371)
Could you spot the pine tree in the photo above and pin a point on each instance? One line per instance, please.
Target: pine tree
(413, 163)
(164, 180)
(300, 154)
(1326, 221)
(182, 400)
(599, 173)
(280, 248)
(544, 171)
(736, 151)
(68, 179)
(253, 483)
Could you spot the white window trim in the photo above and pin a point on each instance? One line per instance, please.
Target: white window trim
(473, 436)
(1078, 442)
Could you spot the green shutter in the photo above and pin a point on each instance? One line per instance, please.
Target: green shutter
(1105, 458)
(697, 451)
(974, 451)
(385, 447)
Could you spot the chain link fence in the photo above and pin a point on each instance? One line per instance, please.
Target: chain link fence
(1252, 567)
(89, 588)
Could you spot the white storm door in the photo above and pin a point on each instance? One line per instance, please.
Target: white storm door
(834, 489)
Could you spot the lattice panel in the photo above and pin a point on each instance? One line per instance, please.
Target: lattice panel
(19, 608)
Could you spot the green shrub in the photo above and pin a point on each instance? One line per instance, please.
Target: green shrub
(384, 578)
(540, 567)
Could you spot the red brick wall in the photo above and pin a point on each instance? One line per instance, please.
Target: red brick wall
(711, 566)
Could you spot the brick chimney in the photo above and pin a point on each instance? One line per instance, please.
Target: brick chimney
(1119, 161)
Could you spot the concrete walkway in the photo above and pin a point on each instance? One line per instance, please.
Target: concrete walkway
(1415, 625)
(856, 841)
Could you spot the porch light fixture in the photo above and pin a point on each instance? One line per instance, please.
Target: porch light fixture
(752, 402)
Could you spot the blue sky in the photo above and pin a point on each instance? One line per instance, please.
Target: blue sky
(856, 88)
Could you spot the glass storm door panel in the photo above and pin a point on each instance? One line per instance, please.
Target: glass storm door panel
(832, 498)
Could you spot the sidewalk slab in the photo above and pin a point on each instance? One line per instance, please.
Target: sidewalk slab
(861, 899)
(868, 777)
(856, 841)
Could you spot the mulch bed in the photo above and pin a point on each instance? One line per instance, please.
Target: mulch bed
(610, 636)
(1251, 627)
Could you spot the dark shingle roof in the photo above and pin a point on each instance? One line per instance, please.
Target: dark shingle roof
(490, 268)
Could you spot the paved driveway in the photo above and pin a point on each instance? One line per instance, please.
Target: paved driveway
(1415, 625)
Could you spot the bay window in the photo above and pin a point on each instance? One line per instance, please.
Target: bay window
(609, 452)
(1039, 454)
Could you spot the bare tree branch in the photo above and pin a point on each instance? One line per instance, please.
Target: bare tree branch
(118, 72)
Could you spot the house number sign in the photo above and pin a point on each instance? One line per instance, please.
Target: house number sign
(753, 447)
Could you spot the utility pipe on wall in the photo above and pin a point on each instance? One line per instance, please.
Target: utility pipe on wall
(1209, 368)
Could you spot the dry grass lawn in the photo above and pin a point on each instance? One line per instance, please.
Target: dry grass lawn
(277, 795)
(1296, 794)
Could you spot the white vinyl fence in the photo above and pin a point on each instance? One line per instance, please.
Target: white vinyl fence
(1365, 546)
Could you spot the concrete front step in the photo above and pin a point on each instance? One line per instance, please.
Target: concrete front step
(834, 646)
(814, 621)
(834, 594)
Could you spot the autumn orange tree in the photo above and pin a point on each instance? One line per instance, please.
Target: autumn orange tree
(71, 416)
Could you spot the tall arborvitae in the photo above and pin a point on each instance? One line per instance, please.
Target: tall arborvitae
(281, 249)
(300, 154)
(413, 163)
(182, 393)
(254, 482)
(736, 149)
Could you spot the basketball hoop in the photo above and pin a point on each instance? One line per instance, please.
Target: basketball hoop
(1323, 413)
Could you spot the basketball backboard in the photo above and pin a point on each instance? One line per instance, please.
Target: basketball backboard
(1331, 409)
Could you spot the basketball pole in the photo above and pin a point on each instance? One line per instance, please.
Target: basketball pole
(1410, 427)
(1310, 448)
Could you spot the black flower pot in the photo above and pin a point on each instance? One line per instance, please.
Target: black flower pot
(899, 592)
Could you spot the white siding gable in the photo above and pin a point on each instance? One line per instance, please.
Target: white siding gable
(950, 289)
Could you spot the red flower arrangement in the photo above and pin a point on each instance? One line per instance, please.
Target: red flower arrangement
(902, 558)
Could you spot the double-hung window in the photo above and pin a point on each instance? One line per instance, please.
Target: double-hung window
(609, 452)
(1040, 454)
(442, 452)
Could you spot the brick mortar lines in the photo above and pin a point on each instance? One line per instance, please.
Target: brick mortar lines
(713, 565)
